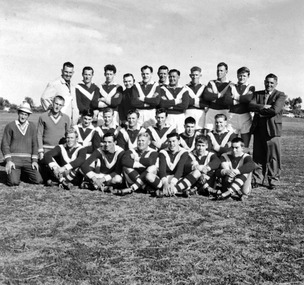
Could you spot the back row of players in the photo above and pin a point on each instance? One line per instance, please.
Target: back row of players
(170, 156)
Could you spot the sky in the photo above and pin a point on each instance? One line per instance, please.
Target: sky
(38, 36)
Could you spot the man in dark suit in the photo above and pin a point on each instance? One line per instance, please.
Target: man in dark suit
(267, 129)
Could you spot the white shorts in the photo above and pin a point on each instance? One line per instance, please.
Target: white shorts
(177, 120)
(241, 123)
(198, 115)
(211, 113)
(146, 117)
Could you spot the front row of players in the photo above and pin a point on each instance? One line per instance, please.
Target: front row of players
(171, 171)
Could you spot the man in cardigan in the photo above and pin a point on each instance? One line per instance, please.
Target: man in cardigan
(62, 86)
(145, 97)
(20, 148)
(52, 126)
(111, 94)
(267, 129)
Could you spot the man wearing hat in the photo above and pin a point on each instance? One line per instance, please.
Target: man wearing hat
(20, 148)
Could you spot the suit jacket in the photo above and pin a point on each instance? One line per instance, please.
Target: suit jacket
(273, 115)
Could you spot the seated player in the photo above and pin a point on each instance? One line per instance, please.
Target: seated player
(160, 131)
(240, 117)
(187, 138)
(172, 161)
(127, 136)
(107, 165)
(206, 162)
(137, 163)
(20, 149)
(236, 171)
(109, 126)
(86, 130)
(220, 138)
(64, 161)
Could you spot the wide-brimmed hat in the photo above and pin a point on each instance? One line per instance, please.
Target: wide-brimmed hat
(25, 107)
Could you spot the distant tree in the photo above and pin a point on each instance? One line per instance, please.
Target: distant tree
(30, 101)
(6, 103)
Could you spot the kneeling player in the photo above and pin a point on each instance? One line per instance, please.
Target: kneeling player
(107, 161)
(172, 161)
(64, 161)
(137, 163)
(236, 170)
(206, 162)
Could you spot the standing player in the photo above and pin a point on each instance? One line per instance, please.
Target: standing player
(111, 94)
(127, 136)
(175, 99)
(162, 73)
(108, 165)
(197, 106)
(63, 87)
(240, 117)
(86, 91)
(145, 97)
(218, 95)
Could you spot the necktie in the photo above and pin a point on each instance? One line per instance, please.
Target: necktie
(266, 98)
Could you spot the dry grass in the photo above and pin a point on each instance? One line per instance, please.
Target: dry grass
(50, 236)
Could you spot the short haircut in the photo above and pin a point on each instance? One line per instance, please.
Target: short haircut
(108, 110)
(238, 140)
(71, 131)
(243, 69)
(133, 111)
(147, 67)
(87, 68)
(220, 116)
(163, 67)
(173, 134)
(271, 75)
(201, 139)
(190, 120)
(223, 64)
(109, 134)
(161, 110)
(110, 67)
(87, 112)
(195, 68)
(146, 135)
(68, 64)
(59, 97)
(174, 70)
(127, 75)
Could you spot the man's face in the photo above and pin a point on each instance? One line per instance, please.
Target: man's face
(220, 125)
(221, 72)
(143, 143)
(146, 75)
(132, 120)
(109, 75)
(201, 147)
(128, 81)
(162, 74)
(195, 77)
(270, 84)
(86, 121)
(189, 129)
(67, 73)
(108, 118)
(71, 140)
(22, 117)
(57, 105)
(237, 149)
(173, 79)
(242, 78)
(173, 144)
(109, 144)
(161, 119)
(87, 76)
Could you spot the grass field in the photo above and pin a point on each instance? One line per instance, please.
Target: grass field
(51, 236)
